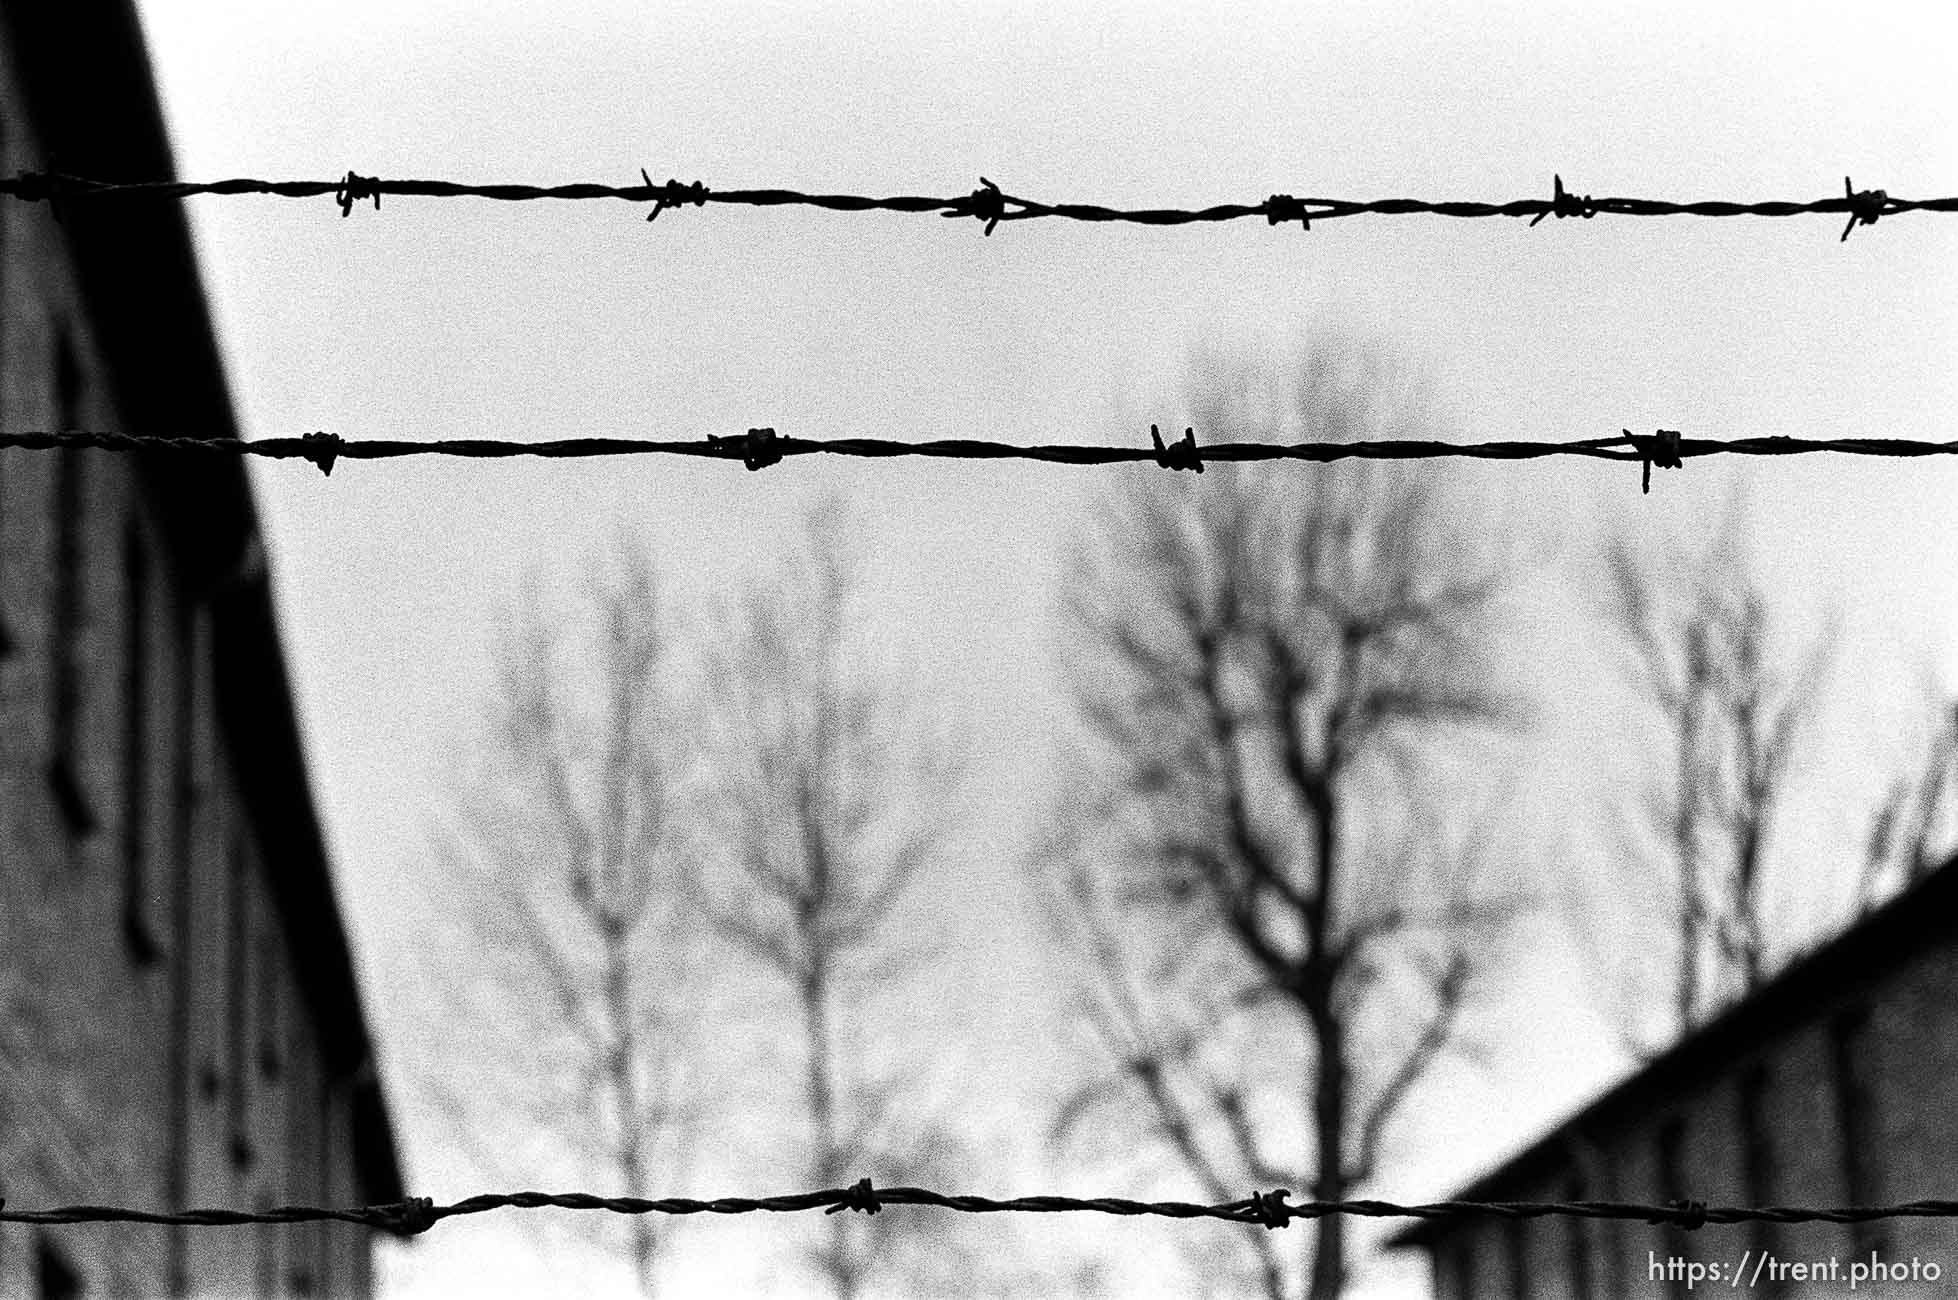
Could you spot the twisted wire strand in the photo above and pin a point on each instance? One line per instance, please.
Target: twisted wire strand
(988, 203)
(759, 448)
(1267, 1209)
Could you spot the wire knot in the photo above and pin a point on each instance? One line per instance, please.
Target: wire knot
(757, 446)
(1565, 204)
(37, 187)
(1661, 449)
(673, 194)
(1865, 206)
(986, 203)
(1283, 207)
(355, 187)
(1269, 1208)
(44, 187)
(1690, 1215)
(408, 1218)
(1181, 454)
(859, 1195)
(321, 449)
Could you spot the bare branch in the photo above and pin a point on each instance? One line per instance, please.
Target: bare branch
(1449, 993)
(1701, 656)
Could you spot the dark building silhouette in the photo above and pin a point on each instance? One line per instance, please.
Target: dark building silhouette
(1832, 1085)
(179, 1022)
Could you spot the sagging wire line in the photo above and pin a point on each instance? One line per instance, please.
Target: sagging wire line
(1270, 1209)
(760, 448)
(987, 204)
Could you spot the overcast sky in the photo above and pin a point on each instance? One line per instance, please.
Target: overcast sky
(465, 318)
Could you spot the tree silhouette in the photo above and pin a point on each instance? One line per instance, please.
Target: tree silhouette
(1729, 697)
(557, 863)
(829, 790)
(1267, 892)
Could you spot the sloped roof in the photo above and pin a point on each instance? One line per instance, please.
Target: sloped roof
(1882, 941)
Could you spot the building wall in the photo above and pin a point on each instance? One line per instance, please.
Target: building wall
(1855, 1104)
(157, 1047)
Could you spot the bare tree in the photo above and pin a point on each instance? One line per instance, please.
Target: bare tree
(1729, 701)
(829, 793)
(1275, 928)
(1915, 828)
(557, 861)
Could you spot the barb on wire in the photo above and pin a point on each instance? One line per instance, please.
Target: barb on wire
(353, 188)
(1690, 1215)
(322, 449)
(1865, 206)
(759, 448)
(50, 187)
(33, 186)
(1563, 204)
(859, 1196)
(672, 194)
(988, 203)
(1266, 1209)
(1280, 208)
(1661, 449)
(1269, 1208)
(1181, 454)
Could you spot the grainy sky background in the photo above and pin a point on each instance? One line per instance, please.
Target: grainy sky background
(461, 318)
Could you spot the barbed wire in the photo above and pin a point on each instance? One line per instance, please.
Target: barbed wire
(988, 204)
(1266, 1209)
(760, 448)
